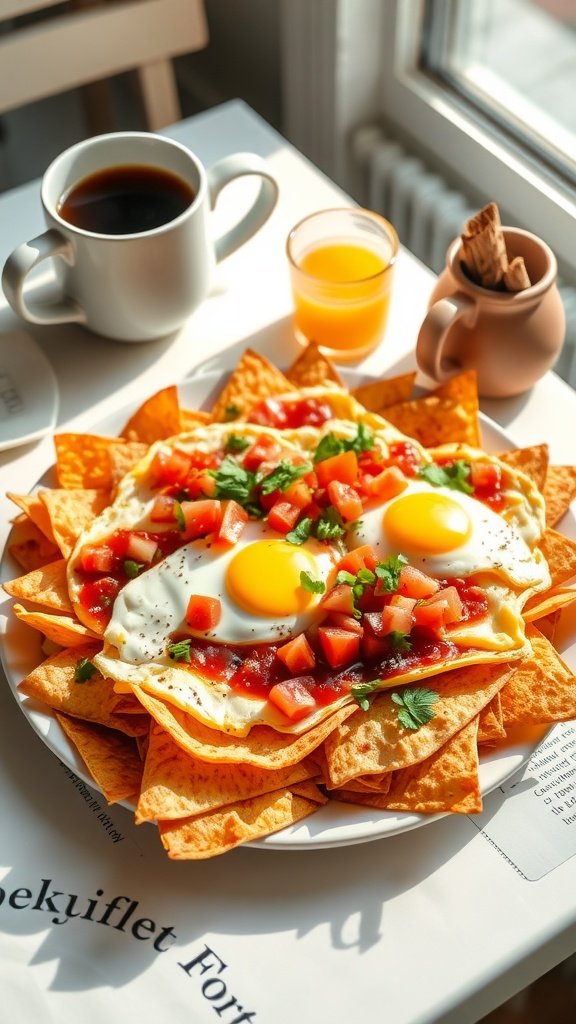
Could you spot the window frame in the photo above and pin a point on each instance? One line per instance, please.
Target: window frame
(440, 122)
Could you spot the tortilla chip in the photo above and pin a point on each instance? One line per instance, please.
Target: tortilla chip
(192, 418)
(374, 741)
(46, 586)
(541, 689)
(36, 511)
(253, 380)
(263, 747)
(70, 512)
(210, 835)
(123, 458)
(83, 461)
(548, 603)
(312, 368)
(560, 553)
(533, 461)
(378, 395)
(447, 781)
(559, 490)
(29, 547)
(111, 758)
(53, 684)
(176, 785)
(490, 722)
(63, 630)
(434, 420)
(157, 418)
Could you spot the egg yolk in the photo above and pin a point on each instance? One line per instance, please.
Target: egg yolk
(264, 578)
(426, 523)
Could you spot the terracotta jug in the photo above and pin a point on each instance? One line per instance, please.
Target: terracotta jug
(509, 338)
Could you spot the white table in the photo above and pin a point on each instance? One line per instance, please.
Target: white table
(430, 925)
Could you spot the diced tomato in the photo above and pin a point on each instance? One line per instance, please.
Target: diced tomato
(293, 697)
(450, 601)
(363, 557)
(200, 482)
(342, 467)
(201, 517)
(283, 516)
(396, 619)
(298, 493)
(415, 583)
(346, 500)
(203, 613)
(163, 509)
(339, 599)
(405, 456)
(485, 475)
(141, 548)
(264, 449)
(96, 558)
(345, 622)
(373, 647)
(234, 519)
(297, 655)
(430, 615)
(339, 646)
(169, 467)
(390, 482)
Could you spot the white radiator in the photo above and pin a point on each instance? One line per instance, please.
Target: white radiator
(427, 213)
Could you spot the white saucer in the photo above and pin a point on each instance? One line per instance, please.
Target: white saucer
(28, 391)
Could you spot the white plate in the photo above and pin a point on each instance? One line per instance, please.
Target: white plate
(28, 391)
(335, 824)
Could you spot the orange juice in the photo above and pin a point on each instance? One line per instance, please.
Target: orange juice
(341, 286)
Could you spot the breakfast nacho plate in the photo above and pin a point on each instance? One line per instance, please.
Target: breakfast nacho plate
(351, 758)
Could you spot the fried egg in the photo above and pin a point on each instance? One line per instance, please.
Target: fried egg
(447, 533)
(257, 581)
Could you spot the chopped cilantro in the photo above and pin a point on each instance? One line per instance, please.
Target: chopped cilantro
(301, 532)
(454, 475)
(361, 692)
(284, 475)
(331, 445)
(236, 444)
(399, 641)
(132, 568)
(231, 412)
(234, 481)
(415, 706)
(388, 572)
(84, 670)
(330, 525)
(179, 516)
(180, 651)
(310, 584)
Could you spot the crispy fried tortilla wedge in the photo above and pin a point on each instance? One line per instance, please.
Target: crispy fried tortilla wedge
(192, 418)
(29, 547)
(378, 395)
(559, 491)
(434, 419)
(176, 785)
(311, 368)
(547, 603)
(45, 586)
(123, 458)
(63, 630)
(447, 781)
(71, 511)
(490, 723)
(111, 758)
(210, 835)
(35, 510)
(560, 553)
(541, 689)
(373, 741)
(533, 461)
(155, 419)
(54, 684)
(263, 747)
(253, 379)
(83, 461)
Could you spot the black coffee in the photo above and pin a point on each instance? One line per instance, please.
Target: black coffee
(126, 200)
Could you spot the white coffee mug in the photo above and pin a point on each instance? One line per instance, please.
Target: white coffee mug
(141, 285)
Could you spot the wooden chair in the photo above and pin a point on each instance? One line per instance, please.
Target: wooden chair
(47, 47)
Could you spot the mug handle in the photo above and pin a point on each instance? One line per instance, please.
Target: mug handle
(433, 335)
(18, 266)
(226, 170)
